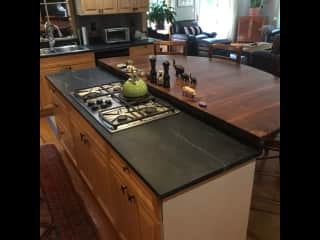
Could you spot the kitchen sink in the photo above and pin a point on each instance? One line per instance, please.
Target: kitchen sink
(61, 50)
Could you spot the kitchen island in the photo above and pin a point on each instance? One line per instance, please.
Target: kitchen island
(174, 178)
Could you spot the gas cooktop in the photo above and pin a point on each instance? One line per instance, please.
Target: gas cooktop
(116, 112)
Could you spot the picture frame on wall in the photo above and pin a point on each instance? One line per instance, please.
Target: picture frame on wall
(185, 3)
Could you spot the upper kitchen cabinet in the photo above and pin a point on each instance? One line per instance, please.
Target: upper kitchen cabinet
(140, 5)
(97, 7)
(109, 6)
(125, 6)
(88, 7)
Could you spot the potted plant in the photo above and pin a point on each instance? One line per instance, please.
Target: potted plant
(159, 13)
(255, 6)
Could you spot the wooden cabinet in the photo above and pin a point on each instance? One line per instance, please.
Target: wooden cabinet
(63, 124)
(58, 64)
(125, 6)
(126, 206)
(97, 7)
(109, 6)
(249, 28)
(141, 5)
(90, 7)
(141, 50)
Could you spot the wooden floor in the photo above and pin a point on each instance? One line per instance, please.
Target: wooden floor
(264, 222)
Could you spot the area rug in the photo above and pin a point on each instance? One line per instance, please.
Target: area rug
(62, 213)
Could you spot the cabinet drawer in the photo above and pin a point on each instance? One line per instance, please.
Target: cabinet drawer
(143, 193)
(66, 60)
(141, 50)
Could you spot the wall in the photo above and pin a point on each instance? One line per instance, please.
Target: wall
(184, 13)
(132, 20)
(270, 9)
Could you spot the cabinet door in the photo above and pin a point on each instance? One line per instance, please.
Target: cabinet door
(45, 95)
(99, 176)
(125, 208)
(109, 6)
(141, 5)
(150, 228)
(89, 7)
(125, 5)
(66, 140)
(80, 139)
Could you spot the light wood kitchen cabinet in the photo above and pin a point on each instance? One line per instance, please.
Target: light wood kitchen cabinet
(141, 5)
(125, 6)
(95, 7)
(82, 154)
(98, 7)
(89, 7)
(63, 123)
(109, 6)
(56, 64)
(126, 215)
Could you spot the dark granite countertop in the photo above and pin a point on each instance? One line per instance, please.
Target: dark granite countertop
(169, 154)
(100, 46)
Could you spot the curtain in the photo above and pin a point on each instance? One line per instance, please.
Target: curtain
(218, 16)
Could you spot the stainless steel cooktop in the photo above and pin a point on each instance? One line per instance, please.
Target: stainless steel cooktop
(116, 112)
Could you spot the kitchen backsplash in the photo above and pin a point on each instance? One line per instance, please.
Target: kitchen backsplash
(96, 24)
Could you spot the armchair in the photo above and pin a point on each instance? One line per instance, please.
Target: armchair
(178, 33)
(268, 60)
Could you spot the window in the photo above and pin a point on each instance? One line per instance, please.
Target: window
(58, 13)
(218, 16)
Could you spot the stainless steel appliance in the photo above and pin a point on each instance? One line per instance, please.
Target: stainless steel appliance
(116, 35)
(115, 112)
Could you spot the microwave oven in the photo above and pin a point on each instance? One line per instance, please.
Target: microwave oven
(116, 35)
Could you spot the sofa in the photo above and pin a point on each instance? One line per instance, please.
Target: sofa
(268, 60)
(197, 44)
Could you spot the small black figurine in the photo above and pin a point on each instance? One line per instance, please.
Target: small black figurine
(166, 76)
(185, 77)
(193, 80)
(153, 72)
(179, 68)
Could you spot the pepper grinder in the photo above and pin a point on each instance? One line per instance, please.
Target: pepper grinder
(153, 72)
(166, 76)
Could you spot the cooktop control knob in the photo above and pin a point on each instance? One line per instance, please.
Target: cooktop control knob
(90, 103)
(107, 103)
(99, 101)
(94, 108)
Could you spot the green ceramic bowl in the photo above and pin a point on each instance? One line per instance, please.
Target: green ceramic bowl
(134, 89)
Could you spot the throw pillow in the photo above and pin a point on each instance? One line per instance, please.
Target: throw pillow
(198, 30)
(192, 30)
(186, 30)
